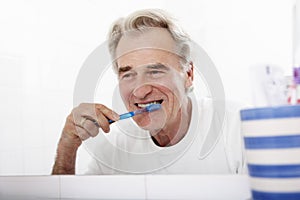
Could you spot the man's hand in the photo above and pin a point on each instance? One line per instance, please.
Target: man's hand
(83, 122)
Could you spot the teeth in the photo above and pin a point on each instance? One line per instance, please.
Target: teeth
(142, 105)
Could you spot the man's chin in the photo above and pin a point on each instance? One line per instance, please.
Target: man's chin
(148, 126)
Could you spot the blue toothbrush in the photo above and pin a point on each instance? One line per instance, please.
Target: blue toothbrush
(150, 108)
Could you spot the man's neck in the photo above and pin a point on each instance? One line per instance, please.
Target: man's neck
(175, 131)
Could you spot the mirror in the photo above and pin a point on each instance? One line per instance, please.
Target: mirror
(43, 49)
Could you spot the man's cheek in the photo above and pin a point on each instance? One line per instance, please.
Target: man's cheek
(125, 96)
(173, 82)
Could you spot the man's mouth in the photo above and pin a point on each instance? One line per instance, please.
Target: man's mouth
(143, 105)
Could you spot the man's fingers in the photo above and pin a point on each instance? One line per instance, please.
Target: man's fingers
(103, 123)
(107, 112)
(91, 127)
(82, 133)
(91, 117)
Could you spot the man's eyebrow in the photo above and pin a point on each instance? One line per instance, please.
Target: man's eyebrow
(124, 69)
(158, 66)
(152, 66)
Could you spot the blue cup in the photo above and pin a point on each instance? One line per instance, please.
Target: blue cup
(272, 144)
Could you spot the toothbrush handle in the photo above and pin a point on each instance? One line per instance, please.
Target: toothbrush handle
(123, 116)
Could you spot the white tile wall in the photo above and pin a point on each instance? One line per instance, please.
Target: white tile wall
(12, 161)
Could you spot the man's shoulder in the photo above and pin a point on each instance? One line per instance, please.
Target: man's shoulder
(231, 106)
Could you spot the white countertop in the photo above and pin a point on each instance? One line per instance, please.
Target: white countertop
(206, 187)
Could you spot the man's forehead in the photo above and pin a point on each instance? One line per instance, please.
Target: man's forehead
(150, 38)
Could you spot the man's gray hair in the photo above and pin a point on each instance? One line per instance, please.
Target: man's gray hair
(150, 18)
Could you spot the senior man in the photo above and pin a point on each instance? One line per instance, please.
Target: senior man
(151, 56)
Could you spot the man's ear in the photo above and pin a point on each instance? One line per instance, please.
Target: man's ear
(189, 75)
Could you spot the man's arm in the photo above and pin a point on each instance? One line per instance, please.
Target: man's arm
(67, 149)
(79, 126)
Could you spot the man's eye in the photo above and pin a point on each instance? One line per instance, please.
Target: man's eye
(156, 73)
(127, 76)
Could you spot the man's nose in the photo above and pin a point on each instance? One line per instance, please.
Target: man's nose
(142, 91)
